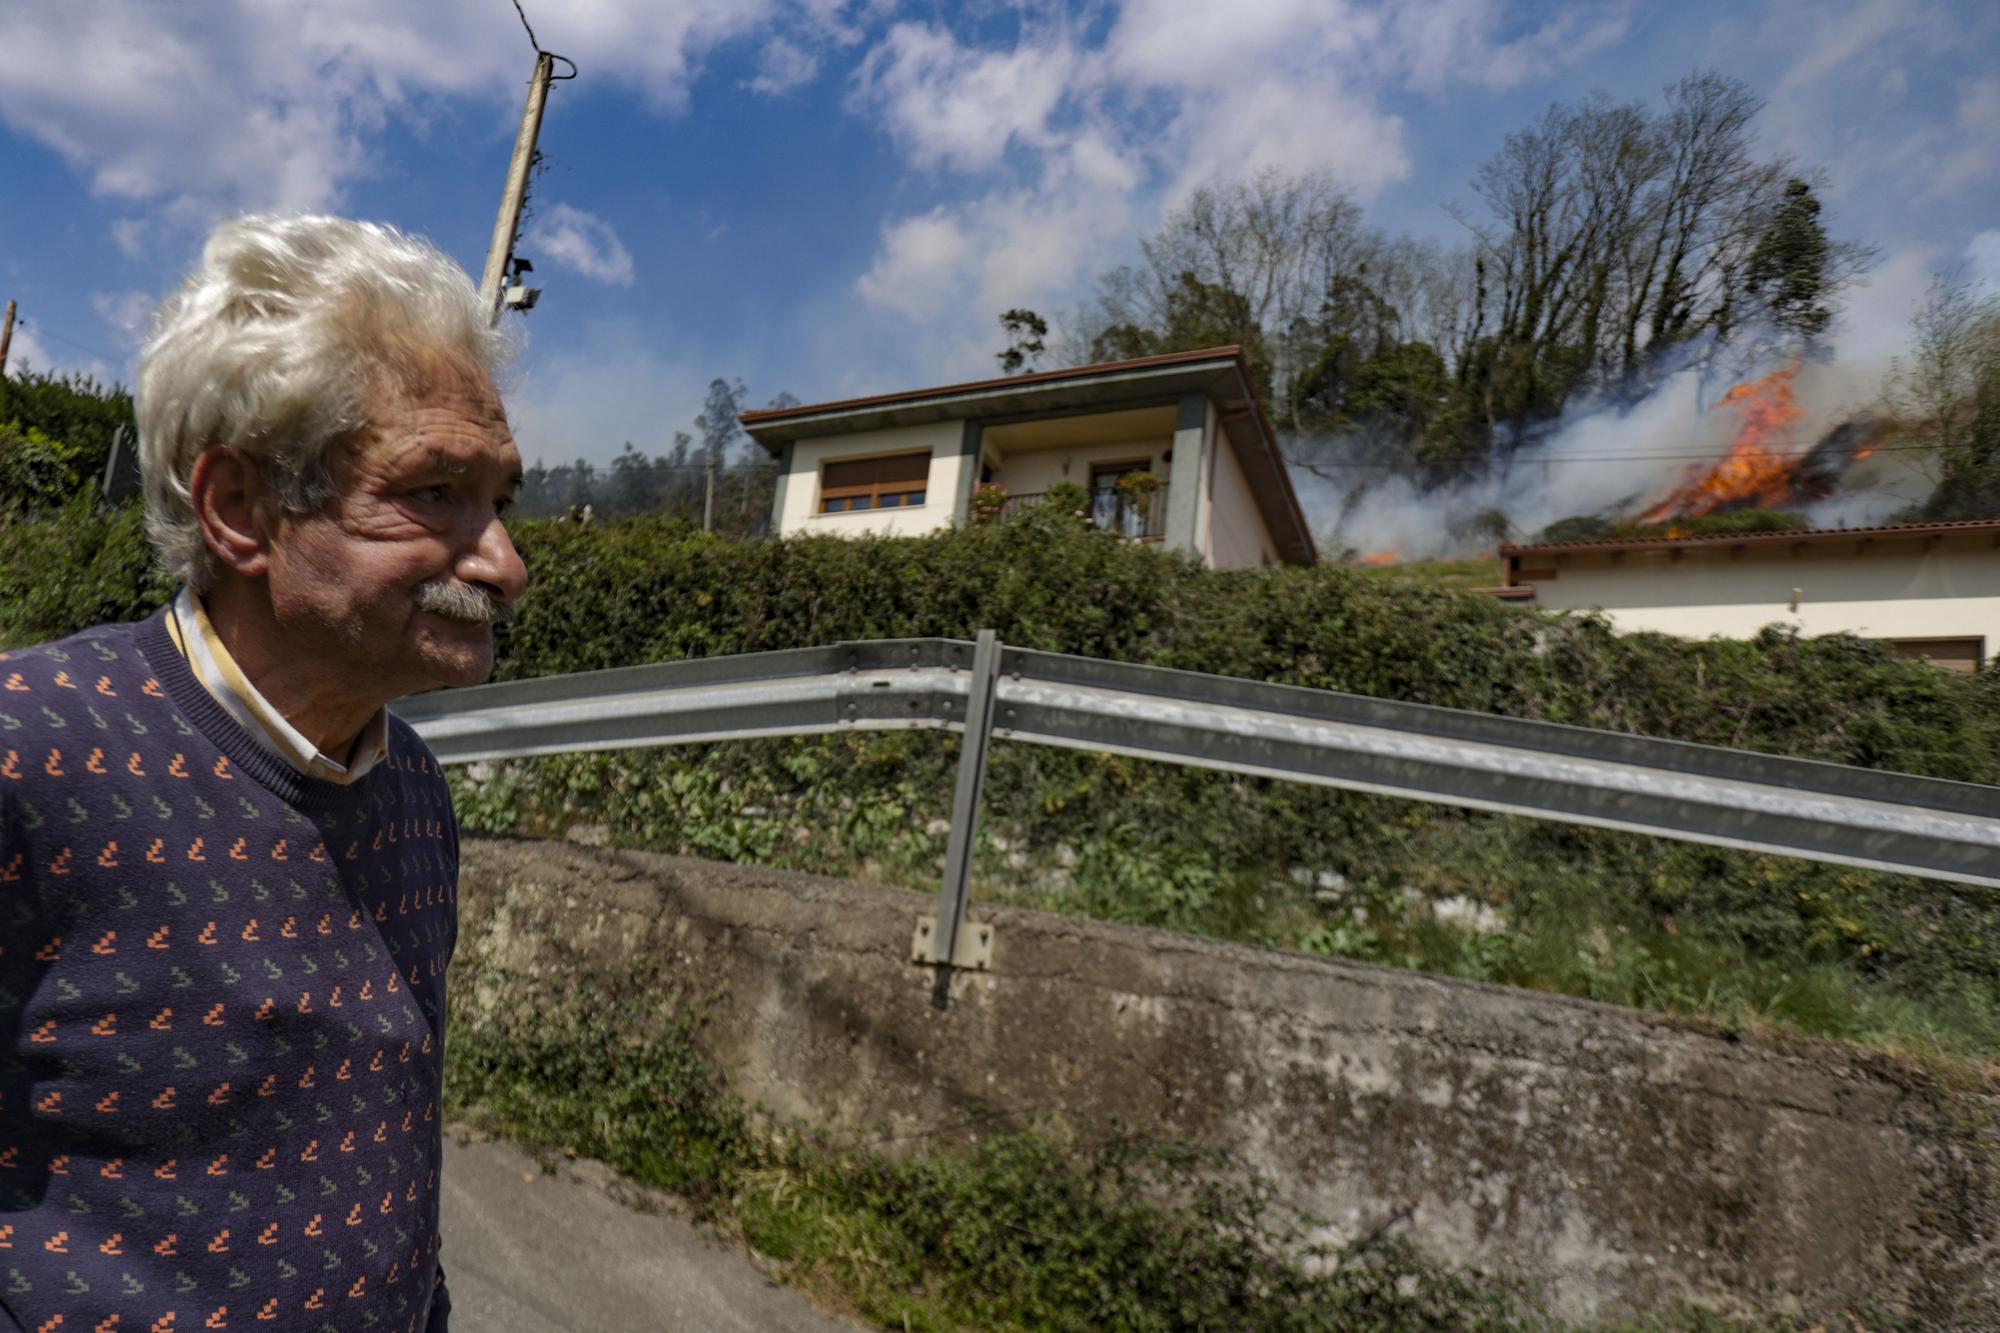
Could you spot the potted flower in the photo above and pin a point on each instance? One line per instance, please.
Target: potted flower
(1135, 488)
(989, 501)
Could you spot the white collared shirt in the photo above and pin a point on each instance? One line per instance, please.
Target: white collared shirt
(209, 658)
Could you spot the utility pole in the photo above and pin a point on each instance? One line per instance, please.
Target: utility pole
(508, 223)
(6, 337)
(708, 496)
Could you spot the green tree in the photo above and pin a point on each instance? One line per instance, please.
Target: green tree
(1194, 315)
(717, 421)
(1788, 272)
(1027, 338)
(638, 484)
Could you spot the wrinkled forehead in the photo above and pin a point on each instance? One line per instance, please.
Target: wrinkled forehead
(442, 411)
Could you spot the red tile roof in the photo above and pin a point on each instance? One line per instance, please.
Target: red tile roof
(1890, 530)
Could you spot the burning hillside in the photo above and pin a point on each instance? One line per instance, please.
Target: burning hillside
(1693, 449)
(1765, 467)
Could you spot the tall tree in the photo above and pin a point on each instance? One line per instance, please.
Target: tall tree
(637, 485)
(1027, 338)
(1945, 399)
(1789, 270)
(716, 423)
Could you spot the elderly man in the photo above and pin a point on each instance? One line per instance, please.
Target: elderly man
(227, 874)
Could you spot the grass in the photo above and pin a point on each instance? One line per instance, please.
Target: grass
(1482, 572)
(1043, 1226)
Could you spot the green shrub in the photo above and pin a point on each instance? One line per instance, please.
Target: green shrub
(77, 414)
(66, 569)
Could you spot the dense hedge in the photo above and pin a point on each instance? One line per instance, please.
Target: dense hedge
(55, 436)
(639, 592)
(644, 591)
(1624, 918)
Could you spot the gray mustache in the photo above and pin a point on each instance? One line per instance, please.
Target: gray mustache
(462, 601)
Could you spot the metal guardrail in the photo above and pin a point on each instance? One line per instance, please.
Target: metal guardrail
(1698, 793)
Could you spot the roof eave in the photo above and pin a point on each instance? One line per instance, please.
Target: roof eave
(1079, 387)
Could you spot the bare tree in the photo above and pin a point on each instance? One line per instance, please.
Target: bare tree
(1945, 397)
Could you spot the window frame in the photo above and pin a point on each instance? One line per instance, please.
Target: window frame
(875, 489)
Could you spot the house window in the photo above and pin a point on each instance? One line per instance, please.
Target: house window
(854, 484)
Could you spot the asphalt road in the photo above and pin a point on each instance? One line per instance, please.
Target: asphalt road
(530, 1252)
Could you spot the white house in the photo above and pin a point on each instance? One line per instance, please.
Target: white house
(1931, 589)
(906, 463)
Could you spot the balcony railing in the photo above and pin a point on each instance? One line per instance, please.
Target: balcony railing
(1140, 519)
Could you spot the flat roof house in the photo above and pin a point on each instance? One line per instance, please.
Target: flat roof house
(1931, 589)
(906, 463)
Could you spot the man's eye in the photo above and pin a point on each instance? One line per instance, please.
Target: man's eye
(434, 494)
(503, 504)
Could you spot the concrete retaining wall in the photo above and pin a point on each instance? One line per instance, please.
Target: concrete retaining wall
(1628, 1162)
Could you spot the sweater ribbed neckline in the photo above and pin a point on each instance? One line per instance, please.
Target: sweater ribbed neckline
(210, 718)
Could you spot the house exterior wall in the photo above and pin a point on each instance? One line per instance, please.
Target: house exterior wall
(799, 499)
(1033, 471)
(1894, 589)
(1237, 536)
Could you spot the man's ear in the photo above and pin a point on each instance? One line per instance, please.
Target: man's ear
(228, 495)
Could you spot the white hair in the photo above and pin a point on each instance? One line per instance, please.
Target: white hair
(278, 344)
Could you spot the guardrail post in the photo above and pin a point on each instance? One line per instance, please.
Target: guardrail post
(965, 812)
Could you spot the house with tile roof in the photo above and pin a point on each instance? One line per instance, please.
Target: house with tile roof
(1930, 589)
(1214, 486)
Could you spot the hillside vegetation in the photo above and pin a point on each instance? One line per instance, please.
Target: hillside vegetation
(1734, 938)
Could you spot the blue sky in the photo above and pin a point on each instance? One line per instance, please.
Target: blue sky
(831, 197)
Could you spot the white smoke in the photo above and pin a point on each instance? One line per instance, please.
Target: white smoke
(1607, 457)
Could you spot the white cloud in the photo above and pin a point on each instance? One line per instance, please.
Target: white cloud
(782, 66)
(130, 234)
(1874, 144)
(1305, 107)
(1295, 126)
(1970, 160)
(580, 241)
(918, 267)
(126, 311)
(1448, 43)
(246, 104)
(952, 105)
(1982, 259)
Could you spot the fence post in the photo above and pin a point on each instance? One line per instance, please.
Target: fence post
(965, 811)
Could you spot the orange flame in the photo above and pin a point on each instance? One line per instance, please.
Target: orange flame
(1388, 557)
(1759, 466)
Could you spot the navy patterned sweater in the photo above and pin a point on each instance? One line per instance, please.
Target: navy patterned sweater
(221, 1010)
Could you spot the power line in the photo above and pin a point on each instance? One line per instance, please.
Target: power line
(524, 23)
(48, 332)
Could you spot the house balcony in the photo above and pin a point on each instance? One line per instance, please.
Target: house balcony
(1143, 519)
